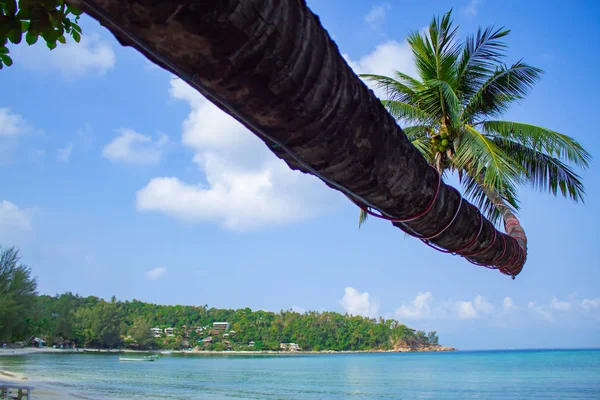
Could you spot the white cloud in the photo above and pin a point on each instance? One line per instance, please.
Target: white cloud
(377, 14)
(465, 310)
(560, 305)
(481, 305)
(356, 303)
(589, 304)
(11, 124)
(131, 147)
(543, 311)
(91, 56)
(246, 186)
(63, 154)
(509, 305)
(385, 59)
(14, 220)
(419, 308)
(156, 273)
(423, 307)
(471, 8)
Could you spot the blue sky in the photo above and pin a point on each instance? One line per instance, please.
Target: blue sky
(119, 180)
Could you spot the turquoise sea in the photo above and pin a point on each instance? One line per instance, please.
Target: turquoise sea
(527, 374)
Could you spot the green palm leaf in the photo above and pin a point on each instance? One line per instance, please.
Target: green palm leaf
(479, 155)
(544, 172)
(503, 88)
(479, 58)
(475, 193)
(538, 138)
(395, 90)
(406, 112)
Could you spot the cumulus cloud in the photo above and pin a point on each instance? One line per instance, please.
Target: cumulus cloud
(481, 305)
(423, 306)
(590, 304)
(465, 310)
(541, 311)
(560, 305)
(11, 124)
(356, 303)
(385, 59)
(91, 56)
(64, 153)
(14, 220)
(376, 14)
(246, 187)
(418, 308)
(509, 305)
(131, 147)
(156, 273)
(471, 8)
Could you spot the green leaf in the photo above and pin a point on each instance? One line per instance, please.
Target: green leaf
(535, 137)
(25, 26)
(4, 50)
(74, 10)
(362, 218)
(6, 60)
(31, 38)
(51, 45)
(10, 6)
(62, 39)
(15, 36)
(76, 27)
(76, 35)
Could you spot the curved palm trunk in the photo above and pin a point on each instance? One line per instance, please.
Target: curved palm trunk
(512, 225)
(272, 66)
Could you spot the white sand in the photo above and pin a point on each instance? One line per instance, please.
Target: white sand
(42, 390)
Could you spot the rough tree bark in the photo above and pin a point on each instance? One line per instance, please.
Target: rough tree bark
(273, 67)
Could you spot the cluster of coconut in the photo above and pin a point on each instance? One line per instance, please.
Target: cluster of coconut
(440, 142)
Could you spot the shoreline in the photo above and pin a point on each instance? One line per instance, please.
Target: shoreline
(42, 389)
(45, 350)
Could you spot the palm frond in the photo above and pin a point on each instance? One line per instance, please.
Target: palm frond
(544, 172)
(475, 193)
(362, 218)
(537, 138)
(411, 82)
(504, 87)
(418, 136)
(440, 100)
(481, 54)
(394, 90)
(407, 112)
(479, 155)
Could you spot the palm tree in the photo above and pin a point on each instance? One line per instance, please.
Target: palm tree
(451, 115)
(273, 67)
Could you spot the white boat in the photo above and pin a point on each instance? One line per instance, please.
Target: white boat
(144, 358)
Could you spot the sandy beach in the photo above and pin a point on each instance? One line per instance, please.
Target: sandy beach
(43, 390)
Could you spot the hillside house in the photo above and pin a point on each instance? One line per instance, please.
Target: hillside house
(289, 347)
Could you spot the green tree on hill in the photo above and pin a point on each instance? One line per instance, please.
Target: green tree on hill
(17, 295)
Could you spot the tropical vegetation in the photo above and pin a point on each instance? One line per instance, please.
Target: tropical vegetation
(452, 114)
(53, 20)
(94, 322)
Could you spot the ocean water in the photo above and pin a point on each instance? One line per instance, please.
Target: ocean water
(531, 374)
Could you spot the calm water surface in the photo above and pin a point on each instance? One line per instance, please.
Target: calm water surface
(556, 374)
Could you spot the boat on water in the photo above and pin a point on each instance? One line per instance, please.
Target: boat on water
(143, 358)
